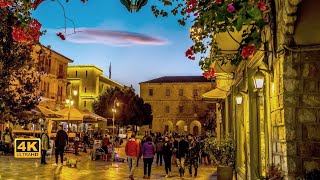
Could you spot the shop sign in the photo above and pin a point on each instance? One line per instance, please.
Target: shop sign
(27, 148)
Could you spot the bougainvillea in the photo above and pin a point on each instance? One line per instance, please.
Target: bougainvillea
(212, 17)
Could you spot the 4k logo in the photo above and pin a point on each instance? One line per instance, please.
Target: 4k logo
(27, 148)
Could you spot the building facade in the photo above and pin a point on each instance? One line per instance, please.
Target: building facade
(176, 103)
(277, 123)
(53, 81)
(89, 82)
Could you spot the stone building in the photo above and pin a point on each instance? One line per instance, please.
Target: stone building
(279, 122)
(53, 81)
(176, 103)
(89, 82)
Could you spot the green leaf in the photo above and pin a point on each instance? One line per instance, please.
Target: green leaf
(239, 23)
(255, 13)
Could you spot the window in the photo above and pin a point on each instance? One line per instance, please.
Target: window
(60, 71)
(180, 92)
(86, 73)
(195, 92)
(76, 73)
(85, 90)
(195, 109)
(167, 92)
(48, 90)
(85, 103)
(167, 109)
(150, 92)
(180, 109)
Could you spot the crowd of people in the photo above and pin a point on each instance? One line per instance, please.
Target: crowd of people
(182, 151)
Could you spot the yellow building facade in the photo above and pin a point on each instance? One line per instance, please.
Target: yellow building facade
(89, 82)
(53, 81)
(277, 122)
(176, 103)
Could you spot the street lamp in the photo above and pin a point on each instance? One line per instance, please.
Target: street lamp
(116, 103)
(239, 98)
(70, 103)
(258, 79)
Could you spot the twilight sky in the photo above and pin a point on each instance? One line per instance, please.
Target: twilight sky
(139, 46)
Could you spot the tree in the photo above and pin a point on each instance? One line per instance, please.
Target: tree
(132, 109)
(19, 78)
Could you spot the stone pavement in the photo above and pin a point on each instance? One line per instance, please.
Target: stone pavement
(31, 169)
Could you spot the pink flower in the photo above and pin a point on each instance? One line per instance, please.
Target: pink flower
(230, 8)
(262, 6)
(195, 14)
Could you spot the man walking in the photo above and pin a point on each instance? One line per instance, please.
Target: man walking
(60, 143)
(180, 150)
(193, 154)
(159, 147)
(132, 151)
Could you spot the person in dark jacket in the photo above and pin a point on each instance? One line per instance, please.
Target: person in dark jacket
(159, 146)
(148, 151)
(192, 156)
(181, 149)
(60, 143)
(167, 154)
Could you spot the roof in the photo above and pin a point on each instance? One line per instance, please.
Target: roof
(177, 79)
(70, 60)
(88, 65)
(110, 80)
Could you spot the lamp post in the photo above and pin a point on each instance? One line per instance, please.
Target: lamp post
(69, 103)
(114, 110)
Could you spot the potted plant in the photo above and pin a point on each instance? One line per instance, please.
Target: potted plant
(223, 153)
(274, 172)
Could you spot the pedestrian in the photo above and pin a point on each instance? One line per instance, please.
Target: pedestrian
(132, 150)
(86, 142)
(45, 145)
(193, 153)
(148, 152)
(8, 140)
(181, 148)
(60, 143)
(159, 146)
(105, 144)
(167, 154)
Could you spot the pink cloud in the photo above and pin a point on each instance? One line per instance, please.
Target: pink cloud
(114, 38)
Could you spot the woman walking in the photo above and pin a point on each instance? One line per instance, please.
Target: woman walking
(148, 151)
(167, 154)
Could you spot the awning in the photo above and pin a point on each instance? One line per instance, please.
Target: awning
(92, 117)
(47, 112)
(75, 114)
(215, 94)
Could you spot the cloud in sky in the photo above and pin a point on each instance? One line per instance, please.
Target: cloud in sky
(113, 38)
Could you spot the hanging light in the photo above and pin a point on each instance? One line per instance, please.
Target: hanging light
(258, 79)
(239, 98)
(75, 92)
(134, 5)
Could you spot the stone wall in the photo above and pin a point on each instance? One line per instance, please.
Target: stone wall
(300, 135)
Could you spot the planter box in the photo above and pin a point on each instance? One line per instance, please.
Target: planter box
(225, 173)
